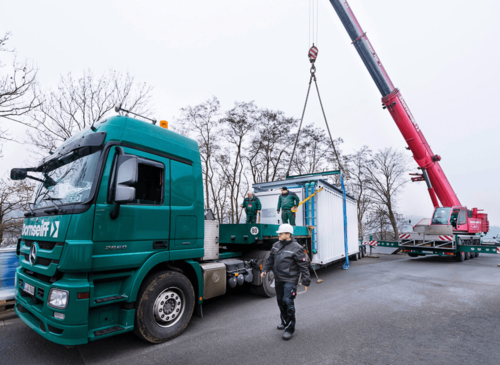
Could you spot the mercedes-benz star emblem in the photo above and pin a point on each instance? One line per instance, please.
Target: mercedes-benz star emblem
(33, 253)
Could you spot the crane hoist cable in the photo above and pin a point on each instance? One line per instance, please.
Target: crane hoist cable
(313, 54)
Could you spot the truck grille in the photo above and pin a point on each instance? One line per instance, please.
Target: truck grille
(45, 245)
(44, 278)
(42, 260)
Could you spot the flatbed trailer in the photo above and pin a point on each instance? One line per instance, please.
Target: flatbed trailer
(461, 247)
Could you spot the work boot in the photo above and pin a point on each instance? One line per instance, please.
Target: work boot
(281, 327)
(287, 335)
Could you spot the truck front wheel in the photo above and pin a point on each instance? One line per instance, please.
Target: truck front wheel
(164, 307)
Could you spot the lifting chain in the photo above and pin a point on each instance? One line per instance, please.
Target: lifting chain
(313, 55)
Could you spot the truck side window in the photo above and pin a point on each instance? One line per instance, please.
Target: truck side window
(149, 188)
(462, 218)
(183, 184)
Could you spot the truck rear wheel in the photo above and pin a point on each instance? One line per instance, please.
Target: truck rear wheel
(467, 255)
(164, 307)
(477, 254)
(460, 256)
(267, 288)
(412, 255)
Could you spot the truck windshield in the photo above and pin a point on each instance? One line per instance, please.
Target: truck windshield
(69, 180)
(441, 216)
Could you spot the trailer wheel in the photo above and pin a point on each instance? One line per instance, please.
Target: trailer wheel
(477, 254)
(354, 257)
(362, 252)
(412, 255)
(164, 307)
(460, 256)
(467, 255)
(472, 255)
(267, 288)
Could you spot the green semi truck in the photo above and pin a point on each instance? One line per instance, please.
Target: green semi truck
(118, 238)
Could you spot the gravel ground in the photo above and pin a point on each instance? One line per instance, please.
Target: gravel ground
(389, 310)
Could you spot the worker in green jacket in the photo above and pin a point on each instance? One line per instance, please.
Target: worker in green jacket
(286, 202)
(252, 207)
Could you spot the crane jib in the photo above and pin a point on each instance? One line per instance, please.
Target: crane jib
(438, 184)
(363, 46)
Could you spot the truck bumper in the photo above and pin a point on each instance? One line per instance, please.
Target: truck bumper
(52, 331)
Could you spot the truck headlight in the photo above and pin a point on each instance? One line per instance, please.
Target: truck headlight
(58, 298)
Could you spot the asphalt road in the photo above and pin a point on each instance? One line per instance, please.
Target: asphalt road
(390, 310)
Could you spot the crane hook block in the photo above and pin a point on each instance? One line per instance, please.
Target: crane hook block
(313, 53)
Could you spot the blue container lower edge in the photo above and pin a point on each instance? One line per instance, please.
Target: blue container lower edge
(8, 264)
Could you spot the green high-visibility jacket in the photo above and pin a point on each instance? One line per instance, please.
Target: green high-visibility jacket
(252, 205)
(287, 201)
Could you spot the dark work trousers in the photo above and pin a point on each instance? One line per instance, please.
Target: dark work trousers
(285, 294)
(251, 218)
(287, 216)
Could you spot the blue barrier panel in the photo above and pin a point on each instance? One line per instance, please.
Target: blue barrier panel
(8, 264)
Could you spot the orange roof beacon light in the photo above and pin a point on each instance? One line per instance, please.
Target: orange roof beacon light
(164, 124)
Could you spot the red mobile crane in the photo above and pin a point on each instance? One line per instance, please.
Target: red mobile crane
(450, 220)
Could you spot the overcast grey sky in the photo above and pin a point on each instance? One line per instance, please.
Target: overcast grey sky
(442, 54)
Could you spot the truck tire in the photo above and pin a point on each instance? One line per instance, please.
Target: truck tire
(467, 255)
(460, 256)
(164, 307)
(266, 289)
(477, 254)
(354, 257)
(362, 252)
(412, 255)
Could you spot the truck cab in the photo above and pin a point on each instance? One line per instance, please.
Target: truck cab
(112, 206)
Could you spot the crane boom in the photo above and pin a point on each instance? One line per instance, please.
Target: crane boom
(432, 173)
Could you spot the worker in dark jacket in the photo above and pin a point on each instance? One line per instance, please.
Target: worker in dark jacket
(252, 207)
(288, 261)
(286, 202)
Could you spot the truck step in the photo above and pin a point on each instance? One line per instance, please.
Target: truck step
(108, 330)
(109, 299)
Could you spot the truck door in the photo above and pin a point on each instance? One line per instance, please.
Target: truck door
(462, 220)
(142, 227)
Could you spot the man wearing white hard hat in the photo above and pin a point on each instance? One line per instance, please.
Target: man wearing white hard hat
(252, 207)
(288, 262)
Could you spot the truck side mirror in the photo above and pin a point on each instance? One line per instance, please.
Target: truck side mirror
(18, 174)
(126, 175)
(127, 171)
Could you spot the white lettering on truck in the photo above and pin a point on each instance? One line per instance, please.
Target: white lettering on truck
(42, 229)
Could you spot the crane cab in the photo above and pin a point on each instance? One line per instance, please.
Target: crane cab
(459, 218)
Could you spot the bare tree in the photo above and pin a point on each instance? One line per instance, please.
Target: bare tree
(387, 173)
(359, 185)
(201, 123)
(17, 90)
(270, 146)
(237, 124)
(76, 103)
(14, 199)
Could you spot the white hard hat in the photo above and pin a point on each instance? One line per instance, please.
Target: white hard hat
(250, 191)
(285, 228)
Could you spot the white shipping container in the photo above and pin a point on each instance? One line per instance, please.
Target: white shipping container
(330, 225)
(269, 201)
(328, 215)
